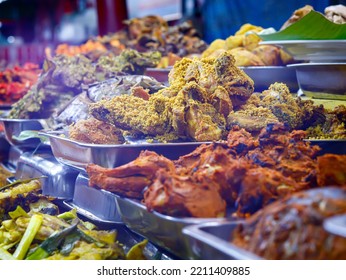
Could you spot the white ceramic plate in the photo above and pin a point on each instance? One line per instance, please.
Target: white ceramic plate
(313, 50)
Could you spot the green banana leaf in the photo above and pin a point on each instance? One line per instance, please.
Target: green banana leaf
(313, 26)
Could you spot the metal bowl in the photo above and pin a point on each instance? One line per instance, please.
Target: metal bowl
(14, 127)
(322, 80)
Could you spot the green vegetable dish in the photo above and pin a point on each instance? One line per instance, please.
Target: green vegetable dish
(33, 229)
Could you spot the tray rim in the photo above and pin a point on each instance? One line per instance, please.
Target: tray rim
(195, 232)
(125, 145)
(189, 220)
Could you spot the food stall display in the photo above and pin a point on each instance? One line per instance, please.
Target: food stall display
(100, 160)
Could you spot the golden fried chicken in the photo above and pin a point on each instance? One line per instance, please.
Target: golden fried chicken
(253, 119)
(276, 104)
(201, 94)
(95, 132)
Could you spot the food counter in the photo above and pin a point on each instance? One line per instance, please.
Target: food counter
(226, 155)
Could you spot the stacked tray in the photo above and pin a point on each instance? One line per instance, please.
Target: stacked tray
(212, 241)
(78, 155)
(164, 231)
(97, 205)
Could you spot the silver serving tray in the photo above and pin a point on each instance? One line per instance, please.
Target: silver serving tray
(164, 231)
(79, 155)
(14, 127)
(57, 180)
(313, 50)
(336, 225)
(96, 204)
(264, 76)
(212, 241)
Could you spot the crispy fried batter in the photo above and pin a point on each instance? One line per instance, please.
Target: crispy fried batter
(95, 132)
(244, 172)
(201, 94)
(129, 179)
(182, 196)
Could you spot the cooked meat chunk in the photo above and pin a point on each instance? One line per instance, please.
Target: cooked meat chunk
(95, 132)
(292, 228)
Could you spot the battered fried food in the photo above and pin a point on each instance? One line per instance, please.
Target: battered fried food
(200, 96)
(95, 132)
(244, 172)
(129, 179)
(276, 105)
(182, 196)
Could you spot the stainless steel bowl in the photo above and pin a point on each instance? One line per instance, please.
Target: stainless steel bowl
(14, 127)
(322, 80)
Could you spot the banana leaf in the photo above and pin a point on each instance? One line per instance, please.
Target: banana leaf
(313, 26)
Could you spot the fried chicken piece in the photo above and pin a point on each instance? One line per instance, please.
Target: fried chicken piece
(95, 132)
(129, 179)
(201, 94)
(332, 124)
(292, 228)
(181, 196)
(260, 187)
(240, 141)
(253, 119)
(286, 152)
(285, 107)
(331, 170)
(238, 84)
(132, 113)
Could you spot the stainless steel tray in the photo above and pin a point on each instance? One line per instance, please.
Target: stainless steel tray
(322, 80)
(336, 225)
(98, 205)
(164, 231)
(330, 146)
(14, 127)
(58, 180)
(264, 76)
(212, 241)
(78, 155)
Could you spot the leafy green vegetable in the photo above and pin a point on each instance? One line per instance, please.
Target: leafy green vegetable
(29, 134)
(51, 244)
(29, 235)
(313, 26)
